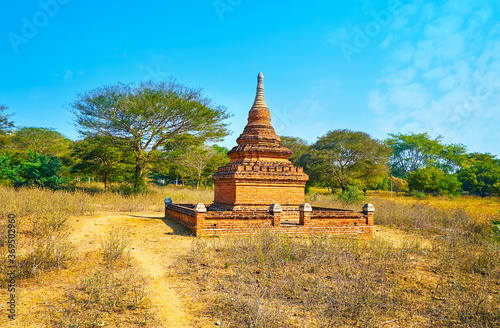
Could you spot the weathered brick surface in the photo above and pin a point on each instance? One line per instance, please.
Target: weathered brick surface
(259, 174)
(225, 223)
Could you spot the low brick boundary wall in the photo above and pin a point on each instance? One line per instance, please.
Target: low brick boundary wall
(311, 221)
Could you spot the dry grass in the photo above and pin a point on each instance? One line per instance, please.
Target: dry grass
(105, 297)
(279, 281)
(34, 202)
(272, 280)
(114, 245)
(42, 241)
(112, 293)
(276, 281)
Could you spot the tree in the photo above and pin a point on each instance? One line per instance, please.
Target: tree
(481, 174)
(100, 156)
(5, 126)
(297, 145)
(43, 141)
(5, 123)
(147, 117)
(203, 162)
(344, 158)
(9, 173)
(219, 159)
(40, 170)
(411, 152)
(398, 185)
(431, 179)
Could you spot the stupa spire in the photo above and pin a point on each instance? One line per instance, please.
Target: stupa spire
(260, 99)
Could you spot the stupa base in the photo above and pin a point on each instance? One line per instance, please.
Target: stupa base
(304, 220)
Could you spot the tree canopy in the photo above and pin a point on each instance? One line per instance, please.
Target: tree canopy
(297, 145)
(5, 123)
(410, 152)
(481, 174)
(344, 157)
(147, 117)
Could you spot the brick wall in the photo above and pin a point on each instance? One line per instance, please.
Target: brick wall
(221, 223)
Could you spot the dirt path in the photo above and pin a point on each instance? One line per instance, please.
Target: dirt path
(156, 244)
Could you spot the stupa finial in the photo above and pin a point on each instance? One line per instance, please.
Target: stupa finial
(260, 100)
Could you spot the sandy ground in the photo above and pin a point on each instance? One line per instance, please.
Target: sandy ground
(156, 244)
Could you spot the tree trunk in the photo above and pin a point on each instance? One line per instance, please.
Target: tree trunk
(139, 183)
(198, 181)
(105, 182)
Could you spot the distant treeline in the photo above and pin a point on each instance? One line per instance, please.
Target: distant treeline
(408, 162)
(166, 132)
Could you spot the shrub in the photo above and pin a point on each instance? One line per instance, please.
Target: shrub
(99, 297)
(351, 195)
(114, 245)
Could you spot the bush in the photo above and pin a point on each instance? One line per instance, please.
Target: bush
(351, 195)
(99, 297)
(114, 245)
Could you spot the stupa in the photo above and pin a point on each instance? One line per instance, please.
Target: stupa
(259, 173)
(260, 189)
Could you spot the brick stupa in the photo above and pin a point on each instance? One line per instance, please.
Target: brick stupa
(259, 173)
(260, 190)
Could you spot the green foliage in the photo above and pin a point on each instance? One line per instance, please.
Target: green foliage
(343, 157)
(410, 152)
(40, 171)
(383, 184)
(101, 157)
(8, 173)
(450, 185)
(149, 117)
(298, 147)
(481, 175)
(43, 141)
(5, 123)
(398, 185)
(199, 163)
(419, 195)
(432, 179)
(351, 195)
(496, 228)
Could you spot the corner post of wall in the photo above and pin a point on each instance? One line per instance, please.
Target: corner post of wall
(368, 210)
(168, 201)
(305, 210)
(277, 212)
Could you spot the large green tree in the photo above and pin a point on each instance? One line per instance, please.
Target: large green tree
(147, 117)
(410, 152)
(43, 141)
(98, 155)
(481, 174)
(431, 179)
(40, 170)
(343, 158)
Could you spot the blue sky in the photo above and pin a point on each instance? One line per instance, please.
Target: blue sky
(374, 66)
